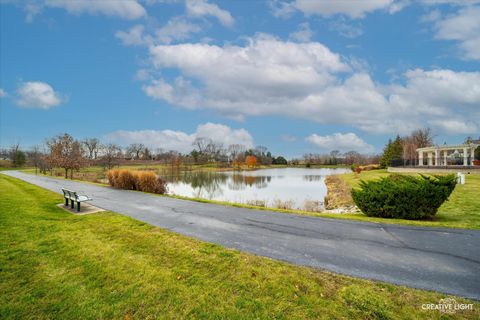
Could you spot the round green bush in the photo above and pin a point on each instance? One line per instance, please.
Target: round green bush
(404, 197)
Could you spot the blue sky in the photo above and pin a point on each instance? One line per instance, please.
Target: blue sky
(296, 76)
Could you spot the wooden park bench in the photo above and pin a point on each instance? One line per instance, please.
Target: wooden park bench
(73, 196)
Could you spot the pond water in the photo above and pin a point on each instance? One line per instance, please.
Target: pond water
(287, 188)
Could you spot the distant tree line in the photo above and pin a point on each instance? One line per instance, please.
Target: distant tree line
(64, 151)
(335, 157)
(70, 154)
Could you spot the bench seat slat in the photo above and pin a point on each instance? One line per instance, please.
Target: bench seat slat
(82, 198)
(73, 196)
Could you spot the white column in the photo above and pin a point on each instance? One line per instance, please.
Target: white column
(445, 153)
(465, 156)
(472, 156)
(420, 158)
(437, 158)
(430, 156)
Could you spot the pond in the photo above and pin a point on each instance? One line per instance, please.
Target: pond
(286, 188)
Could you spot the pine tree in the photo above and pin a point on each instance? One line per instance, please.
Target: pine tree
(397, 150)
(392, 152)
(386, 156)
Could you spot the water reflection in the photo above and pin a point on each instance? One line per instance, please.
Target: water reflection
(311, 178)
(294, 188)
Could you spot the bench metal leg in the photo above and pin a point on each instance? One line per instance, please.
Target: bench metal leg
(66, 202)
(78, 206)
(72, 203)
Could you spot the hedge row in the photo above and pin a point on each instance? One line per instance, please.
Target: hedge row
(146, 181)
(403, 197)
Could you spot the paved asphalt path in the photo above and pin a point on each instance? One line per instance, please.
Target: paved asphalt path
(440, 259)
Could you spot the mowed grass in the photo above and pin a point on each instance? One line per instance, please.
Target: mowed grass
(55, 265)
(462, 210)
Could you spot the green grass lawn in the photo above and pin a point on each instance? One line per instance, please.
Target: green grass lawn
(55, 265)
(462, 210)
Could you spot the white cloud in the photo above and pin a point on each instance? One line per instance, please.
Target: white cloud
(355, 9)
(398, 5)
(352, 9)
(36, 94)
(3, 93)
(281, 9)
(303, 33)
(264, 64)
(201, 8)
(165, 139)
(134, 36)
(464, 27)
(454, 126)
(32, 9)
(340, 141)
(224, 134)
(181, 93)
(430, 98)
(431, 16)
(441, 88)
(268, 76)
(177, 28)
(345, 29)
(126, 9)
(181, 141)
(451, 2)
(142, 75)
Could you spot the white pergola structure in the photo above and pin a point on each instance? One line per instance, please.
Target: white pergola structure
(439, 155)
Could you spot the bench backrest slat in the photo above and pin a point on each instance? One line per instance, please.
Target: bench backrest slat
(69, 193)
(73, 195)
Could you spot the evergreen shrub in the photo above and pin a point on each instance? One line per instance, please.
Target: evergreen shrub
(404, 197)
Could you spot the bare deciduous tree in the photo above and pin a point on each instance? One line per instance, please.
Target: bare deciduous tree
(111, 153)
(235, 151)
(335, 154)
(352, 157)
(17, 156)
(35, 156)
(92, 145)
(147, 154)
(422, 137)
(201, 143)
(417, 139)
(214, 150)
(135, 150)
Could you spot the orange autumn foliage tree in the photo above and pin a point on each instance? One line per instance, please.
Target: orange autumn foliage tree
(251, 161)
(66, 153)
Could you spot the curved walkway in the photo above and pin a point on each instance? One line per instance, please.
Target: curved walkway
(440, 259)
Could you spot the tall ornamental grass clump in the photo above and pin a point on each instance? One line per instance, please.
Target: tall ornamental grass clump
(146, 181)
(404, 197)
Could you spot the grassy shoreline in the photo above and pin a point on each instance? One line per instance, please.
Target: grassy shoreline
(59, 265)
(461, 211)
